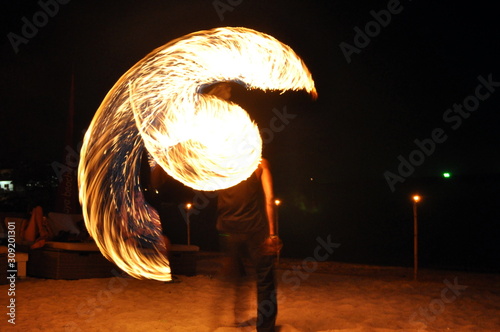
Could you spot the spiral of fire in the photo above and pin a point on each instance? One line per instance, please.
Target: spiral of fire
(202, 141)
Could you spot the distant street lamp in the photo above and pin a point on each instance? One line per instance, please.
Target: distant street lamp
(416, 199)
(188, 208)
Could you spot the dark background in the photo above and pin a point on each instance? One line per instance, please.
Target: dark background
(329, 161)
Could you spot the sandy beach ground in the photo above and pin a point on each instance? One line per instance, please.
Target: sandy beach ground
(313, 296)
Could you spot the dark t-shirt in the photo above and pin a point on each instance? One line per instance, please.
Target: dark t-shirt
(240, 209)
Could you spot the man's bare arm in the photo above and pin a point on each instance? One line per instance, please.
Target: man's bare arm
(267, 186)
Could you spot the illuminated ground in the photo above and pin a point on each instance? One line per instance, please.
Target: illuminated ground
(330, 297)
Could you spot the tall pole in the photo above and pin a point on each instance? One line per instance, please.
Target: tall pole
(277, 202)
(188, 222)
(67, 191)
(416, 199)
(188, 231)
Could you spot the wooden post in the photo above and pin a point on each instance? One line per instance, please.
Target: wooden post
(188, 222)
(415, 241)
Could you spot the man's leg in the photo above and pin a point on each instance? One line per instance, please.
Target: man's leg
(266, 294)
(234, 246)
(267, 306)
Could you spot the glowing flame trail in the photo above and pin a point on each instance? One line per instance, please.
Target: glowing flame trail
(200, 140)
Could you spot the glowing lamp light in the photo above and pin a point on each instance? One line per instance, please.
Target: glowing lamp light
(416, 199)
(277, 202)
(188, 206)
(200, 140)
(446, 175)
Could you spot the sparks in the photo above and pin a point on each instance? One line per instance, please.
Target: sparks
(202, 141)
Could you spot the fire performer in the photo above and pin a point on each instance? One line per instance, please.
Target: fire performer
(247, 228)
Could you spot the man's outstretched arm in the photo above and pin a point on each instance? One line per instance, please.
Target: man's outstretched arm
(267, 186)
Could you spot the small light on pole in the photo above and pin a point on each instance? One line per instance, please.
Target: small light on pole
(188, 209)
(277, 202)
(416, 199)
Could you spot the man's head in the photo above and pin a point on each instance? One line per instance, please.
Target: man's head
(221, 90)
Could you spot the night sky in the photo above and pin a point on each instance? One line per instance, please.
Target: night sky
(404, 80)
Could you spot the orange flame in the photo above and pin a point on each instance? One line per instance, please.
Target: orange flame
(200, 140)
